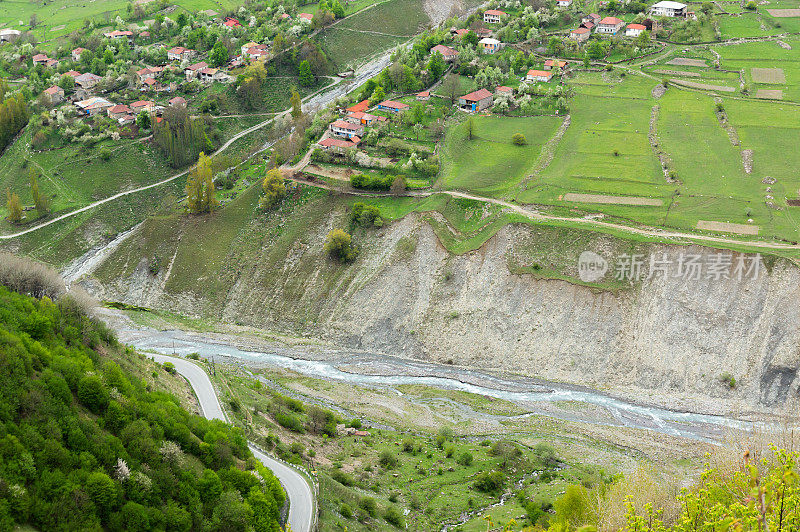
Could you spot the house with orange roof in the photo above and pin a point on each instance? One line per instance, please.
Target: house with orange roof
(580, 34)
(392, 106)
(610, 25)
(493, 16)
(538, 75)
(476, 101)
(360, 106)
(634, 30)
(449, 54)
(550, 63)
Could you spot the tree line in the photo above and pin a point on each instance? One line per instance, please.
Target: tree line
(180, 137)
(14, 115)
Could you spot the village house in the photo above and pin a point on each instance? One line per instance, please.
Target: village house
(538, 75)
(338, 145)
(145, 74)
(476, 101)
(610, 25)
(423, 96)
(231, 22)
(666, 8)
(93, 106)
(257, 53)
(42, 59)
(191, 71)
(149, 84)
(493, 16)
(126, 120)
(502, 90)
(366, 119)
(76, 54)
(460, 32)
(118, 35)
(550, 63)
(490, 45)
(247, 46)
(449, 54)
(482, 32)
(85, 84)
(8, 35)
(210, 75)
(177, 101)
(306, 16)
(563, 3)
(179, 53)
(580, 34)
(348, 130)
(392, 106)
(54, 95)
(143, 105)
(591, 18)
(119, 111)
(634, 30)
(72, 73)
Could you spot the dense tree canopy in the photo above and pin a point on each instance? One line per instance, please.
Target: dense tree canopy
(86, 446)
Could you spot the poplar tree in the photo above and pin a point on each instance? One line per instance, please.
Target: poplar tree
(40, 201)
(14, 207)
(297, 105)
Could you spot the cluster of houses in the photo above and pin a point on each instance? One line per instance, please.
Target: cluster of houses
(593, 23)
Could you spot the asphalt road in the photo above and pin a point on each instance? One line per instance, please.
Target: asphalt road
(301, 496)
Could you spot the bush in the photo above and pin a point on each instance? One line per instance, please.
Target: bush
(366, 215)
(519, 139)
(343, 478)
(93, 393)
(728, 379)
(169, 367)
(545, 454)
(388, 460)
(464, 459)
(489, 481)
(105, 154)
(339, 246)
(346, 511)
(394, 517)
(290, 422)
(369, 182)
(369, 506)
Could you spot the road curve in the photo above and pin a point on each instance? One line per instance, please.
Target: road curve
(301, 496)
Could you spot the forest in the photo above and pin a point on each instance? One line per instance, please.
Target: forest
(86, 446)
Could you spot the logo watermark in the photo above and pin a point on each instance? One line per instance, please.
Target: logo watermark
(592, 267)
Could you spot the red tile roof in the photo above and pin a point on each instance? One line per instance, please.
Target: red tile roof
(360, 106)
(636, 27)
(539, 73)
(581, 30)
(307, 16)
(503, 88)
(53, 90)
(551, 62)
(120, 108)
(341, 124)
(476, 95)
(611, 21)
(393, 104)
(336, 142)
(444, 50)
(495, 12)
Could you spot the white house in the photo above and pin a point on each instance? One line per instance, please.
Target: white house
(667, 8)
(493, 16)
(580, 34)
(7, 35)
(634, 30)
(563, 3)
(538, 75)
(348, 130)
(179, 53)
(610, 25)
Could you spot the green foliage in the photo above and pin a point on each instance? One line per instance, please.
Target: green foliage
(274, 189)
(574, 508)
(339, 246)
(369, 182)
(219, 54)
(14, 115)
(519, 139)
(369, 506)
(394, 517)
(465, 459)
(14, 206)
(489, 481)
(366, 215)
(305, 76)
(146, 463)
(388, 460)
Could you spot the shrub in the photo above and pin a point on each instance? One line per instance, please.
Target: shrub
(546, 455)
(728, 379)
(519, 139)
(489, 481)
(290, 422)
(339, 246)
(751, 5)
(388, 460)
(169, 367)
(346, 511)
(366, 215)
(369, 506)
(464, 459)
(394, 517)
(105, 154)
(369, 182)
(93, 393)
(342, 478)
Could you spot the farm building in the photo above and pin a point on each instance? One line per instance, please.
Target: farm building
(87, 81)
(348, 130)
(610, 25)
(119, 111)
(8, 35)
(634, 30)
(666, 8)
(538, 75)
(550, 63)
(177, 101)
(476, 101)
(76, 54)
(502, 90)
(592, 18)
(231, 22)
(392, 106)
(449, 54)
(145, 74)
(337, 145)
(359, 107)
(366, 119)
(563, 3)
(490, 45)
(209, 75)
(306, 16)
(423, 96)
(143, 105)
(93, 106)
(580, 34)
(54, 95)
(257, 52)
(493, 16)
(118, 35)
(460, 32)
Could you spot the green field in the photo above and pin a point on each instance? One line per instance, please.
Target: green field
(491, 163)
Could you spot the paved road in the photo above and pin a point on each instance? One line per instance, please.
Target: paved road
(301, 496)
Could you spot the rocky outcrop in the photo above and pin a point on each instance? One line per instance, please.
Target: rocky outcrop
(666, 339)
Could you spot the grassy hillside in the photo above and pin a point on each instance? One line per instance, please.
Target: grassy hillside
(86, 444)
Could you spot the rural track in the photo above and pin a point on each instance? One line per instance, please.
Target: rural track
(302, 502)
